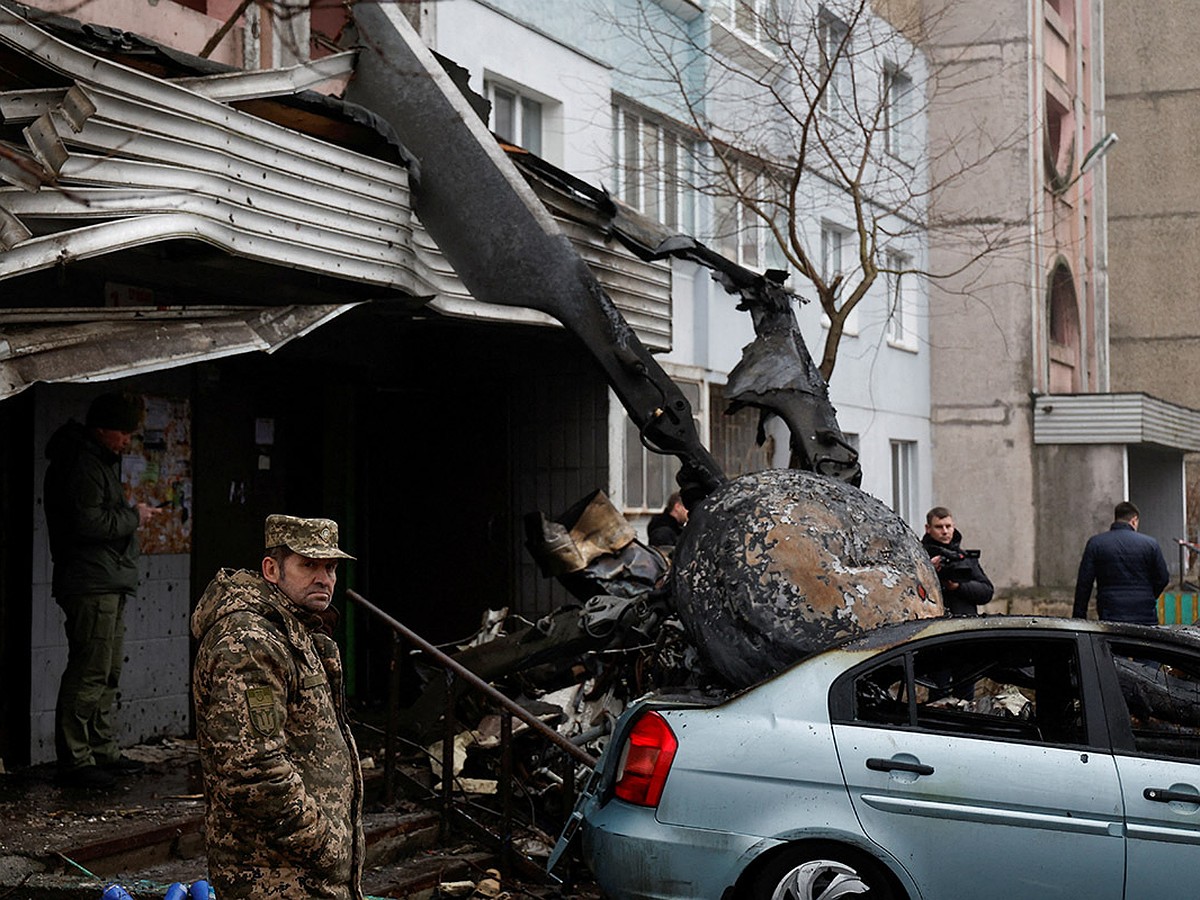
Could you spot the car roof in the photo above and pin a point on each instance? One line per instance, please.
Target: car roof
(902, 632)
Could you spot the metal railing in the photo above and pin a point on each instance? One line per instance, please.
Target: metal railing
(508, 709)
(1187, 549)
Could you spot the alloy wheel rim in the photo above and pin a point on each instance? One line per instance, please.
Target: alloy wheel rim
(820, 879)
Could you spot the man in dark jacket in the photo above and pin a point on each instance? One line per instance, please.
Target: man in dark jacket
(282, 780)
(1128, 569)
(94, 547)
(664, 528)
(965, 587)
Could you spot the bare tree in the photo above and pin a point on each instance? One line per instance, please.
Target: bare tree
(801, 112)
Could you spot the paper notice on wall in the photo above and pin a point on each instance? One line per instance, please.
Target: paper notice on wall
(157, 471)
(133, 470)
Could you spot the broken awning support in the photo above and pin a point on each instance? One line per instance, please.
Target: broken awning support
(120, 158)
(83, 345)
(233, 86)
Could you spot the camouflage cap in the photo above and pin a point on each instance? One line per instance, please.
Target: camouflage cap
(314, 538)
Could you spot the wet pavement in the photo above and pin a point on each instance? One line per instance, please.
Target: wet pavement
(59, 842)
(55, 838)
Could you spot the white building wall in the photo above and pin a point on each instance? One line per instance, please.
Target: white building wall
(574, 86)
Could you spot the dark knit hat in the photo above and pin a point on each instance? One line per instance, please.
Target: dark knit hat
(119, 411)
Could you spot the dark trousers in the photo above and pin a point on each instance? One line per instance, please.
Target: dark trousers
(83, 721)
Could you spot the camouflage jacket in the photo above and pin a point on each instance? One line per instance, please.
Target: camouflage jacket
(281, 774)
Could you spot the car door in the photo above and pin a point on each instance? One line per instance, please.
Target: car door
(971, 760)
(1153, 694)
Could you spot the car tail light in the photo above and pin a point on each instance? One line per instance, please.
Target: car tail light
(649, 753)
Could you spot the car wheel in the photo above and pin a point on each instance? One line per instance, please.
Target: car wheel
(813, 874)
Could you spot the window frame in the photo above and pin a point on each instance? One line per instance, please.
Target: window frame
(522, 101)
(670, 463)
(900, 327)
(846, 236)
(1119, 720)
(672, 185)
(732, 14)
(897, 112)
(904, 468)
(834, 68)
(843, 699)
(749, 242)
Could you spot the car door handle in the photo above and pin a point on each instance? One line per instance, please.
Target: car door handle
(876, 764)
(1162, 795)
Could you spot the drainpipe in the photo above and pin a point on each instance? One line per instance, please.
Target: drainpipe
(1100, 205)
(1087, 275)
(1036, 105)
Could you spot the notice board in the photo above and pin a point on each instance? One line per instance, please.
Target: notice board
(157, 469)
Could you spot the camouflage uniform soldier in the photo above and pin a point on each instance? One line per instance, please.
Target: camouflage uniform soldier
(281, 772)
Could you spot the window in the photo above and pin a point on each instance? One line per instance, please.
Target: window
(897, 112)
(753, 19)
(901, 324)
(740, 231)
(904, 478)
(735, 437)
(654, 169)
(836, 256)
(834, 38)
(1162, 699)
(516, 118)
(649, 476)
(1007, 688)
(1065, 371)
(835, 250)
(1059, 143)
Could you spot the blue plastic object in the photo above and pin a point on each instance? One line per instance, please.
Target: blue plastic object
(201, 891)
(115, 892)
(176, 892)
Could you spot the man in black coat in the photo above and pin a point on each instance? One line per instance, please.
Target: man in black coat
(665, 527)
(94, 545)
(1128, 569)
(965, 587)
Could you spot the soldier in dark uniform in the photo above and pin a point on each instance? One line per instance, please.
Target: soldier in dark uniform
(282, 781)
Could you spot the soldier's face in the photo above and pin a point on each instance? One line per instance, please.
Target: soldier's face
(305, 581)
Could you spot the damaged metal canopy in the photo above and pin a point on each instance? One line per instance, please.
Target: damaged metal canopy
(198, 185)
(119, 158)
(97, 344)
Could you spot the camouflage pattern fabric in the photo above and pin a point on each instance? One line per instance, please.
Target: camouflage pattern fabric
(282, 782)
(314, 538)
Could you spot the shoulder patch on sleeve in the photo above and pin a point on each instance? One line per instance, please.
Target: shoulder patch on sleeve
(264, 712)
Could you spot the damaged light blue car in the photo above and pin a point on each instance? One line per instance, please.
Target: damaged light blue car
(991, 758)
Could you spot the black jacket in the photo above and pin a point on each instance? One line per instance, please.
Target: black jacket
(974, 587)
(663, 530)
(93, 529)
(1129, 572)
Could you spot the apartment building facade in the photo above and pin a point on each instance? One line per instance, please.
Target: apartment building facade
(1152, 95)
(636, 94)
(1034, 440)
